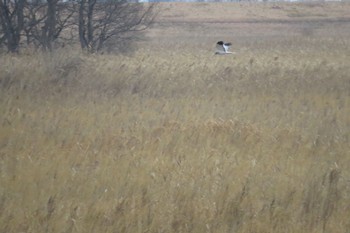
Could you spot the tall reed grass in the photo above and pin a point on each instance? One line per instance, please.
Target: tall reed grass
(172, 141)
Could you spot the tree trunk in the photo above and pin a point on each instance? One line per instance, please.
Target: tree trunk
(86, 29)
(90, 32)
(12, 26)
(49, 29)
(82, 31)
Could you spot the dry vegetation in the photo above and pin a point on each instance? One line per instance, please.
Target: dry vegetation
(179, 140)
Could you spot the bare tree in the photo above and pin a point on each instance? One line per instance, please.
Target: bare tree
(11, 20)
(100, 21)
(45, 22)
(42, 23)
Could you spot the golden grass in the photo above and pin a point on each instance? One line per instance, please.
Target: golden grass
(179, 11)
(170, 140)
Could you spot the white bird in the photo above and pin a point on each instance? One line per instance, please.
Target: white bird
(222, 48)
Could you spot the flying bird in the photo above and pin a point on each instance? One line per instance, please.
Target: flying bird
(222, 47)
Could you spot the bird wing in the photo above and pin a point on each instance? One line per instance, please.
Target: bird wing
(227, 46)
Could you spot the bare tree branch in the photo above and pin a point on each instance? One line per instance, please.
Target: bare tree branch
(102, 21)
(45, 22)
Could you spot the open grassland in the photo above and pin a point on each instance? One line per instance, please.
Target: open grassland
(174, 139)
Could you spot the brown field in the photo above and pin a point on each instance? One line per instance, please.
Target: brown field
(171, 138)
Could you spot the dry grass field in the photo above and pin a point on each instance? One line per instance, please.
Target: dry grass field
(171, 138)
